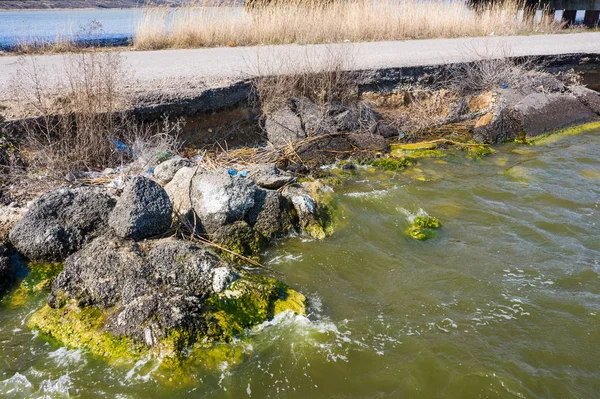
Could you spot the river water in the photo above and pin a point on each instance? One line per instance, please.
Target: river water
(47, 25)
(503, 303)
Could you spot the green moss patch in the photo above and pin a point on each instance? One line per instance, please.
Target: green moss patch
(38, 279)
(393, 163)
(249, 302)
(559, 135)
(84, 328)
(417, 150)
(423, 227)
(479, 151)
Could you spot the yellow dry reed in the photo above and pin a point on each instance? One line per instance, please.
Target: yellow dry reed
(330, 21)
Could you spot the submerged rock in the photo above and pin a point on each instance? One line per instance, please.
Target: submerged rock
(165, 171)
(315, 219)
(143, 210)
(423, 228)
(62, 221)
(119, 298)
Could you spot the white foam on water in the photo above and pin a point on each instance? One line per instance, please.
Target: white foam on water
(368, 194)
(410, 216)
(57, 388)
(285, 259)
(18, 383)
(66, 357)
(134, 373)
(224, 373)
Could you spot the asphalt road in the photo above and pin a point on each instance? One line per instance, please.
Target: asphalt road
(180, 69)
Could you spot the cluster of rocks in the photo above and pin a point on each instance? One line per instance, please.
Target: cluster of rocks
(301, 118)
(147, 287)
(543, 106)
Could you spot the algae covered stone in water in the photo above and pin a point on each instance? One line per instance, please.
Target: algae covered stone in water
(423, 227)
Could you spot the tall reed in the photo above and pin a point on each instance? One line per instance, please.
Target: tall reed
(326, 21)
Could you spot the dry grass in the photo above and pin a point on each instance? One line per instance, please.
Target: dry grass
(323, 21)
(322, 78)
(81, 124)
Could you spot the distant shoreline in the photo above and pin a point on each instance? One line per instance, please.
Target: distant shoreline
(62, 5)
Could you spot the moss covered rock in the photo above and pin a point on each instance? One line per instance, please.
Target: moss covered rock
(423, 227)
(121, 299)
(393, 163)
(314, 207)
(248, 302)
(39, 278)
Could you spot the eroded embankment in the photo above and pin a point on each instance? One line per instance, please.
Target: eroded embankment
(176, 229)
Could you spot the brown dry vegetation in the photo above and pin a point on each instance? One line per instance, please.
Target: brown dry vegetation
(81, 117)
(324, 21)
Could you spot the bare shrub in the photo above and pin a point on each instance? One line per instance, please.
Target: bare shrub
(323, 78)
(494, 67)
(79, 123)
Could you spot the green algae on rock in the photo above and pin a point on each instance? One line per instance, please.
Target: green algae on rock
(38, 279)
(553, 137)
(392, 163)
(122, 299)
(423, 227)
(83, 328)
(478, 151)
(417, 150)
(247, 302)
(313, 207)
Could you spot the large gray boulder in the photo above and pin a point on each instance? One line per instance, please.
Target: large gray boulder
(543, 113)
(315, 119)
(178, 190)
(143, 210)
(588, 97)
(240, 238)
(526, 116)
(219, 198)
(267, 175)
(356, 117)
(150, 289)
(164, 171)
(284, 126)
(271, 215)
(61, 221)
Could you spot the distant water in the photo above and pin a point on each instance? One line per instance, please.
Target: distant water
(81, 25)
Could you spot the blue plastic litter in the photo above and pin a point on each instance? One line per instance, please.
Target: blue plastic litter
(401, 135)
(151, 170)
(119, 145)
(504, 86)
(244, 173)
(232, 171)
